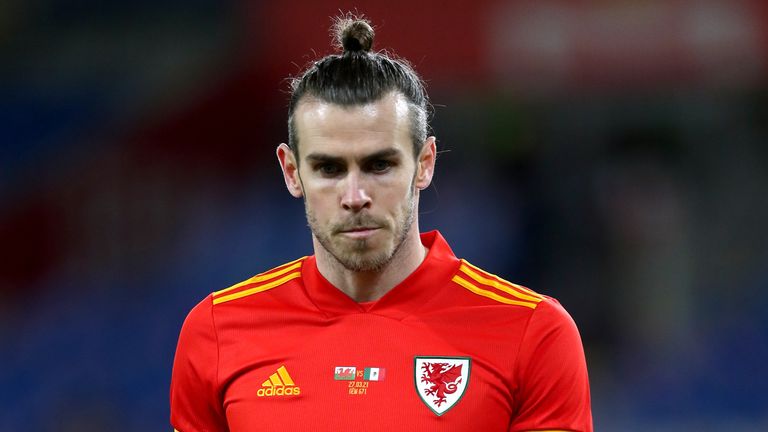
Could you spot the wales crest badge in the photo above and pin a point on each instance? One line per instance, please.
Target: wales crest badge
(441, 381)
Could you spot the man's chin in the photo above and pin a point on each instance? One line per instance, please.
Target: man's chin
(364, 264)
(362, 256)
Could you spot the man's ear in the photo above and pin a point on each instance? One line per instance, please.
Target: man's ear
(290, 168)
(425, 168)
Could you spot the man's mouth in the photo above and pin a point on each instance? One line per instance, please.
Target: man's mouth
(359, 232)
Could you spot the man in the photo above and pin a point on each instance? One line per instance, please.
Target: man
(383, 328)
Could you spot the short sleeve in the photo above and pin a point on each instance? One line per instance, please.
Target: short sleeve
(195, 400)
(553, 390)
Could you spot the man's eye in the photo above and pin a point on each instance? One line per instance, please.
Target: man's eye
(328, 169)
(380, 165)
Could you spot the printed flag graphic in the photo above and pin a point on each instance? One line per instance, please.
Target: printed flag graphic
(344, 373)
(374, 374)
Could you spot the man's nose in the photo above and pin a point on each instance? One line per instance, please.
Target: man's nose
(355, 197)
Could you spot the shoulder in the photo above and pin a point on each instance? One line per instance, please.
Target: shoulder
(213, 314)
(259, 283)
(492, 289)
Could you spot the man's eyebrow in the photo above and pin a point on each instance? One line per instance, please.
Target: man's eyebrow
(382, 154)
(323, 158)
(326, 158)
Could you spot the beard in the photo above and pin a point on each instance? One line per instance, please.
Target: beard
(360, 255)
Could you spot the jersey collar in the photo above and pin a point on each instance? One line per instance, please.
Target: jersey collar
(411, 294)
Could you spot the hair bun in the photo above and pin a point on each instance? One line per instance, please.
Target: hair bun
(354, 34)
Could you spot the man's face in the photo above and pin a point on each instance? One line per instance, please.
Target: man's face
(358, 176)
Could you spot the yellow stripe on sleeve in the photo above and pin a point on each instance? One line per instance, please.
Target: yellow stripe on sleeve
(263, 276)
(490, 294)
(520, 287)
(500, 286)
(257, 289)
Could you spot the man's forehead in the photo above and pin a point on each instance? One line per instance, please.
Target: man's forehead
(393, 105)
(353, 131)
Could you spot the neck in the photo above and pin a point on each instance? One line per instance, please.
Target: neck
(367, 286)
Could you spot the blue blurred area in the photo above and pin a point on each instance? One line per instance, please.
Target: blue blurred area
(32, 124)
(612, 155)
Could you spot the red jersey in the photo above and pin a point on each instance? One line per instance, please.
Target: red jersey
(450, 348)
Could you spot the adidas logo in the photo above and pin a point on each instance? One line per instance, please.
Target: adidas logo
(279, 384)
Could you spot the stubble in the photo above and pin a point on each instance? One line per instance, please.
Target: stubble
(359, 255)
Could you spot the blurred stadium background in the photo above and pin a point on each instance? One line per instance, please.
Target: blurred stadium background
(613, 154)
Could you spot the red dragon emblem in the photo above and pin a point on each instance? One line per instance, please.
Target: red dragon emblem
(441, 379)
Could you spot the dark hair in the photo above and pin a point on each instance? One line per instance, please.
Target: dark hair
(358, 76)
